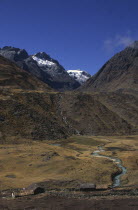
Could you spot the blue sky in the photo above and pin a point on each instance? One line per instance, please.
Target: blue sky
(80, 34)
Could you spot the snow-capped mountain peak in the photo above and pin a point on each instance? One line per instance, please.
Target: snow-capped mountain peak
(42, 61)
(79, 75)
(42, 66)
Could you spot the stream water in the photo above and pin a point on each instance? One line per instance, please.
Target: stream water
(117, 161)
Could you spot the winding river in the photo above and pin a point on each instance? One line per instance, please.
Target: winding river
(117, 161)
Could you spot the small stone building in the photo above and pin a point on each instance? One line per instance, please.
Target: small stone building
(36, 189)
(87, 187)
(30, 190)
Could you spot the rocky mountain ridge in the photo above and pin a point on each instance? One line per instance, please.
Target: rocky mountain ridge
(120, 72)
(42, 66)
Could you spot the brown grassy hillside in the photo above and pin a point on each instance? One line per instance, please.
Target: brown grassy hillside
(29, 109)
(98, 114)
(14, 77)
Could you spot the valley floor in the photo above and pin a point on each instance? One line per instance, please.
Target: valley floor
(64, 165)
(70, 159)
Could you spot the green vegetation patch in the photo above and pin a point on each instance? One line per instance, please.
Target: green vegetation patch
(84, 140)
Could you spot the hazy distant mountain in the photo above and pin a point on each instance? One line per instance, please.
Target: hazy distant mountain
(79, 76)
(42, 66)
(120, 72)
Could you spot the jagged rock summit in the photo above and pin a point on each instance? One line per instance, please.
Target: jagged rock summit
(79, 75)
(14, 54)
(42, 66)
(120, 72)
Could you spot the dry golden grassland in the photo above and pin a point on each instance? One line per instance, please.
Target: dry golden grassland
(24, 164)
(126, 149)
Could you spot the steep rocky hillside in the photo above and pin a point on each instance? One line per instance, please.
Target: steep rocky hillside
(120, 72)
(30, 116)
(38, 115)
(101, 114)
(28, 107)
(43, 67)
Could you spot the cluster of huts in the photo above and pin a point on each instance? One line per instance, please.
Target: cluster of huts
(36, 189)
